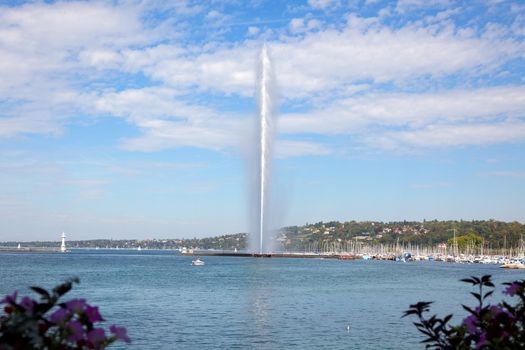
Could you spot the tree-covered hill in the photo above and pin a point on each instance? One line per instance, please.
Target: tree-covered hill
(493, 234)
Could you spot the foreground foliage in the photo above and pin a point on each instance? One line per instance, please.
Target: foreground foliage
(52, 324)
(500, 326)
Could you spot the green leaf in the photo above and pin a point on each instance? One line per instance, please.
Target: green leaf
(476, 295)
(447, 318)
(485, 278)
(65, 287)
(44, 293)
(468, 280)
(468, 309)
(472, 280)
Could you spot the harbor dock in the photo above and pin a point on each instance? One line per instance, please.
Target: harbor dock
(505, 262)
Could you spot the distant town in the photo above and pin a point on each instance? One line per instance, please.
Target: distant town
(322, 236)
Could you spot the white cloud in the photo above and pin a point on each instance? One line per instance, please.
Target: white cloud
(406, 5)
(330, 60)
(100, 58)
(409, 110)
(323, 4)
(213, 14)
(253, 31)
(49, 51)
(518, 27)
(38, 39)
(297, 25)
(54, 55)
(391, 121)
(166, 122)
(314, 24)
(300, 25)
(162, 134)
(452, 135)
(46, 110)
(13, 126)
(145, 103)
(223, 70)
(217, 18)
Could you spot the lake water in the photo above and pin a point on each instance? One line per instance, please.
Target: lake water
(239, 303)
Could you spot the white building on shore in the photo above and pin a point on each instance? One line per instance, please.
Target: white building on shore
(63, 245)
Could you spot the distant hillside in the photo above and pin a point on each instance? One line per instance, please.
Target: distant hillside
(224, 242)
(493, 234)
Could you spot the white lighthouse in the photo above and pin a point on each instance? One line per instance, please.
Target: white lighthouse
(63, 245)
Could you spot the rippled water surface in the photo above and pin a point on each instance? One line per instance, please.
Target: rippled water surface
(239, 303)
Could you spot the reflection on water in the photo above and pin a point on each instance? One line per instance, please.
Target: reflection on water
(260, 309)
(259, 303)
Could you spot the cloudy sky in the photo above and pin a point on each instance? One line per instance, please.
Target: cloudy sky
(135, 118)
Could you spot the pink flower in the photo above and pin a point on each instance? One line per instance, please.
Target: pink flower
(512, 289)
(96, 338)
(482, 341)
(27, 304)
(92, 314)
(498, 310)
(120, 333)
(76, 305)
(59, 317)
(77, 331)
(9, 299)
(471, 323)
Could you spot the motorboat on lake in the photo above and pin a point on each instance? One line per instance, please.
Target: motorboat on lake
(197, 262)
(513, 265)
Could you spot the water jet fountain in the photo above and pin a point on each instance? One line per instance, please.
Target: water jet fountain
(260, 240)
(265, 143)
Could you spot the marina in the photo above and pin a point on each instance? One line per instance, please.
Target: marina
(513, 262)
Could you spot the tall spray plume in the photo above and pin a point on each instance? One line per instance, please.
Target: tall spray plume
(265, 129)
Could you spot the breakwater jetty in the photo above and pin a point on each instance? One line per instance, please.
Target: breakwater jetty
(39, 249)
(270, 255)
(30, 250)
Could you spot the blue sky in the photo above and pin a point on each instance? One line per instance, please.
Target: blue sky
(133, 119)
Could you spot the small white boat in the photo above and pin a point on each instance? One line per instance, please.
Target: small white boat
(197, 262)
(516, 265)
